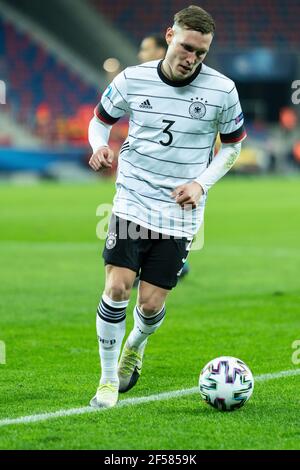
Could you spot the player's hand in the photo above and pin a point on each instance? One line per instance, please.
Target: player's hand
(103, 158)
(188, 195)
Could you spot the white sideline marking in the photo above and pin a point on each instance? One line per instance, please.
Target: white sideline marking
(130, 401)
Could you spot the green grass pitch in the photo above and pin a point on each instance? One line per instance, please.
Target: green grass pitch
(241, 298)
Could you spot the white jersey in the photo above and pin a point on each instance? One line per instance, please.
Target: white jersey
(172, 132)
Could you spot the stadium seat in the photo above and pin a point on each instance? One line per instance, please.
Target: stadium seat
(34, 76)
(239, 24)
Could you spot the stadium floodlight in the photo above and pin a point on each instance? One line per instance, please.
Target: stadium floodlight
(111, 65)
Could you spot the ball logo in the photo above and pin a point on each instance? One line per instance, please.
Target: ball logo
(197, 110)
(111, 241)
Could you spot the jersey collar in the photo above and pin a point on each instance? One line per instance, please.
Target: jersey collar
(177, 83)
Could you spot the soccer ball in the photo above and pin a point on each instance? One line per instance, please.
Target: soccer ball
(226, 383)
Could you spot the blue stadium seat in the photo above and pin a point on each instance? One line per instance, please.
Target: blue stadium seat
(34, 76)
(239, 24)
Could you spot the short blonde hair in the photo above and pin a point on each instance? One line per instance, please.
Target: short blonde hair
(195, 18)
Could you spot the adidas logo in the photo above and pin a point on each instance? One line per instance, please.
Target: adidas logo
(146, 105)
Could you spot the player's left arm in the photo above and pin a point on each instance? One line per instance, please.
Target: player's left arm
(190, 194)
(220, 165)
(232, 133)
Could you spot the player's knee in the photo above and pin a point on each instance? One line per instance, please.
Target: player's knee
(150, 307)
(117, 291)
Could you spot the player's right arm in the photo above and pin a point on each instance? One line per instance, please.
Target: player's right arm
(98, 137)
(112, 106)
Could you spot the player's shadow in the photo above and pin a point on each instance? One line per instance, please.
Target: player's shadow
(203, 410)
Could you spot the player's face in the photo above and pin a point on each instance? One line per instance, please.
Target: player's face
(187, 49)
(150, 51)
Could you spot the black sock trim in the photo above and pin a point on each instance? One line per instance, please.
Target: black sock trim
(110, 314)
(153, 320)
(112, 309)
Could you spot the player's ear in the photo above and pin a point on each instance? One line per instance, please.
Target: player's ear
(169, 35)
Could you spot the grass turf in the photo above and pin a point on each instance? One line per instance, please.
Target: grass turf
(241, 299)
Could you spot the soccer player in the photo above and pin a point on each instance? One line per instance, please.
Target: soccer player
(176, 107)
(154, 47)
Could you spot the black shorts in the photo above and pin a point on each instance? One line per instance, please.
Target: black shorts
(157, 258)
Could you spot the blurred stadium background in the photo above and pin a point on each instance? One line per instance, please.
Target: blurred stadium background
(53, 62)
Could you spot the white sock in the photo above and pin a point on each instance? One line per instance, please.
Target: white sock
(144, 326)
(110, 324)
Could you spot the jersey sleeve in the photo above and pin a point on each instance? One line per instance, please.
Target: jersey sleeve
(231, 122)
(113, 104)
